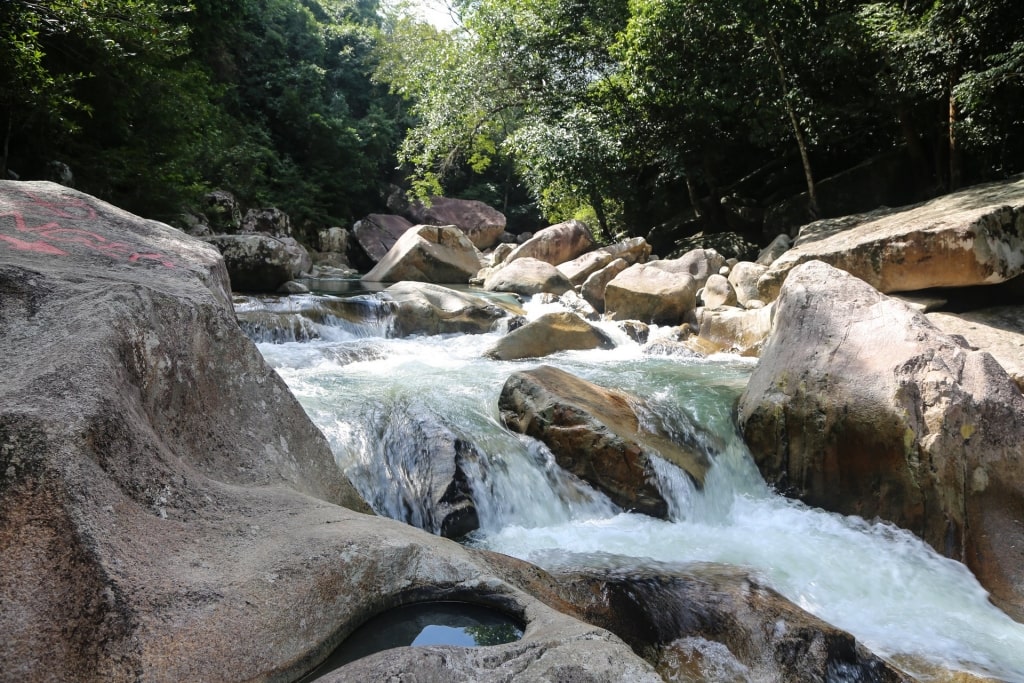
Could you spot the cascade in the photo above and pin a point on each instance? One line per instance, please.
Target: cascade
(882, 584)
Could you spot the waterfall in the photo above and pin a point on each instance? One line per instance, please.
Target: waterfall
(889, 589)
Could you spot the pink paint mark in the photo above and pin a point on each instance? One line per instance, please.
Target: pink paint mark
(54, 232)
(38, 247)
(70, 208)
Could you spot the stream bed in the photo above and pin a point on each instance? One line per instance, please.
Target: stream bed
(895, 594)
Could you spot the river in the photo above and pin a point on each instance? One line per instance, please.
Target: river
(895, 594)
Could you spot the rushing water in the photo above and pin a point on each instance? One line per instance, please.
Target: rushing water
(890, 590)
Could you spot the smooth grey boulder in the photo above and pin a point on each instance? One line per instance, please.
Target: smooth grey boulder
(860, 405)
(718, 292)
(744, 277)
(700, 264)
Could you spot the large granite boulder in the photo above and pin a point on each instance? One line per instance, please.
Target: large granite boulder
(860, 405)
(597, 435)
(744, 277)
(593, 287)
(268, 220)
(650, 294)
(527, 276)
(971, 237)
(162, 492)
(440, 254)
(735, 330)
(222, 212)
(261, 263)
(700, 264)
(550, 333)
(482, 224)
(556, 244)
(375, 234)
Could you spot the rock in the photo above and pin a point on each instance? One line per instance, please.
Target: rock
(376, 234)
(482, 224)
(651, 294)
(700, 264)
(582, 267)
(743, 278)
(707, 622)
(550, 333)
(334, 240)
(718, 292)
(861, 406)
(595, 434)
(293, 287)
(998, 330)
(527, 276)
(633, 250)
(222, 212)
(500, 253)
(161, 488)
(778, 246)
(971, 237)
(268, 221)
(427, 458)
(556, 244)
(194, 224)
(427, 253)
(260, 263)
(423, 308)
(594, 286)
(735, 330)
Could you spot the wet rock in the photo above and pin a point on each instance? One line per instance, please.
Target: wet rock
(527, 276)
(424, 308)
(967, 238)
(556, 244)
(860, 405)
(650, 294)
(598, 435)
(550, 333)
(439, 254)
(482, 224)
(710, 622)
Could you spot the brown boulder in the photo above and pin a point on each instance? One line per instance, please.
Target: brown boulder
(439, 254)
(998, 330)
(527, 276)
(550, 333)
(424, 308)
(971, 237)
(556, 244)
(633, 250)
(650, 294)
(595, 433)
(860, 405)
(594, 286)
(482, 224)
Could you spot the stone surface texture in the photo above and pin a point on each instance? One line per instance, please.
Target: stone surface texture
(860, 405)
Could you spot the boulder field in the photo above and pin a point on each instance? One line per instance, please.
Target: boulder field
(168, 512)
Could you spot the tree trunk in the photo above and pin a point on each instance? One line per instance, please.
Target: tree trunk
(602, 219)
(691, 190)
(954, 147)
(801, 142)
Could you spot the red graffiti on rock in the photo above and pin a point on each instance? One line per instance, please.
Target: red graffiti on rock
(49, 237)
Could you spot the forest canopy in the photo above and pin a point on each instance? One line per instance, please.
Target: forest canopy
(637, 115)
